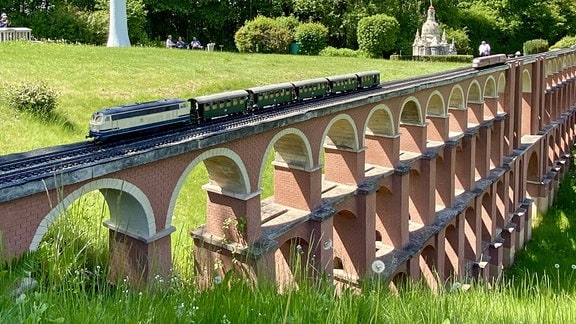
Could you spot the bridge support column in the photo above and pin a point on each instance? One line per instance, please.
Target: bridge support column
(382, 151)
(297, 188)
(465, 172)
(445, 170)
(233, 217)
(438, 129)
(477, 115)
(414, 140)
(491, 104)
(343, 166)
(422, 192)
(392, 210)
(519, 220)
(142, 261)
(496, 263)
(508, 234)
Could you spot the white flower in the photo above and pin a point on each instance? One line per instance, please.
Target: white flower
(557, 266)
(217, 280)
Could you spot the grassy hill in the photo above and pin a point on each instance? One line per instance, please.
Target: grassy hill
(89, 78)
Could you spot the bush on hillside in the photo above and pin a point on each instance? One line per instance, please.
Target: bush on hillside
(565, 42)
(377, 34)
(535, 46)
(313, 37)
(35, 97)
(262, 35)
(342, 52)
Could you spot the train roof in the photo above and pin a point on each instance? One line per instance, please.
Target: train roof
(342, 77)
(365, 73)
(139, 106)
(220, 96)
(309, 82)
(271, 87)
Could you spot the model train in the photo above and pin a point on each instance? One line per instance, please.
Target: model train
(144, 117)
(487, 61)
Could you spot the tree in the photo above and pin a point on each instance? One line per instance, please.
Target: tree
(377, 34)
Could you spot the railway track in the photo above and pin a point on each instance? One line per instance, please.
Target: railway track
(19, 168)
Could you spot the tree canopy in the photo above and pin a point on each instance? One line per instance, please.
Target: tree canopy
(506, 24)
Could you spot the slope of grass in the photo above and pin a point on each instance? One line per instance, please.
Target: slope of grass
(89, 78)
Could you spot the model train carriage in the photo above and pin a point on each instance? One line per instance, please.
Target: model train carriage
(271, 95)
(309, 89)
(486, 61)
(218, 105)
(368, 79)
(343, 83)
(137, 117)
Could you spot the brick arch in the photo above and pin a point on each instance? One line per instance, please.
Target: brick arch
(346, 230)
(411, 112)
(429, 267)
(470, 234)
(486, 218)
(292, 148)
(451, 252)
(474, 92)
(435, 105)
(550, 149)
(456, 99)
(133, 217)
(285, 260)
(341, 133)
(490, 90)
(526, 81)
(501, 83)
(533, 171)
(220, 163)
(380, 122)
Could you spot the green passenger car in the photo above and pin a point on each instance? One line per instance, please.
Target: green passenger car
(271, 95)
(308, 89)
(204, 108)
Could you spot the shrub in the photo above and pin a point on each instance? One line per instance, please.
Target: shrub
(312, 36)
(35, 97)
(342, 52)
(565, 42)
(535, 46)
(263, 35)
(288, 22)
(377, 34)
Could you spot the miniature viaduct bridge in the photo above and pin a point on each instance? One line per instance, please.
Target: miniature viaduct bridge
(441, 178)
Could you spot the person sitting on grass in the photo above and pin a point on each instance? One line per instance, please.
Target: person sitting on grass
(181, 44)
(195, 44)
(4, 22)
(169, 42)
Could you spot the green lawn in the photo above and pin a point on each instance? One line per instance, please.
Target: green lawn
(89, 78)
(71, 263)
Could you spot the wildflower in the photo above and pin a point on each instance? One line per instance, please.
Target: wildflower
(217, 280)
(378, 266)
(574, 267)
(557, 266)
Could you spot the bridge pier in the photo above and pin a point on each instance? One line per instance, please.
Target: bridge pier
(141, 262)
